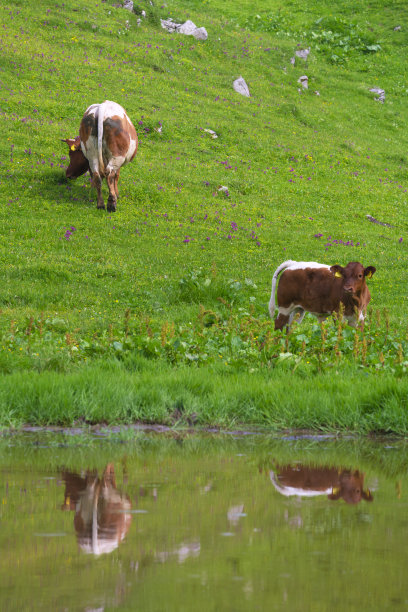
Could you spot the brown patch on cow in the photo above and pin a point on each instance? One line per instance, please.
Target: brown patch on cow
(89, 127)
(117, 136)
(315, 289)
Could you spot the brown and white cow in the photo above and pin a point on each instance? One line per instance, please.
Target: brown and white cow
(307, 286)
(107, 141)
(300, 481)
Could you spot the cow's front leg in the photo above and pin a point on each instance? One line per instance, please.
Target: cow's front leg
(97, 183)
(116, 183)
(112, 181)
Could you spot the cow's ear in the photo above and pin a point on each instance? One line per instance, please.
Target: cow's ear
(69, 141)
(367, 495)
(335, 494)
(337, 271)
(73, 143)
(369, 271)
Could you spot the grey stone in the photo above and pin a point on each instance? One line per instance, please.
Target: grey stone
(373, 220)
(241, 87)
(187, 27)
(211, 132)
(128, 5)
(169, 25)
(303, 53)
(380, 92)
(304, 81)
(200, 34)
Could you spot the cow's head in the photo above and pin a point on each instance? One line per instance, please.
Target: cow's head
(351, 488)
(353, 275)
(78, 164)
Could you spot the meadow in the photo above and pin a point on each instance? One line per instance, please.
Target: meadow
(158, 312)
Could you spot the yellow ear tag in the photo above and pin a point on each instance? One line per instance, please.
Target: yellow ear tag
(336, 490)
(337, 274)
(369, 275)
(73, 148)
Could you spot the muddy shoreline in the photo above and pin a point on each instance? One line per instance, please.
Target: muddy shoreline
(103, 430)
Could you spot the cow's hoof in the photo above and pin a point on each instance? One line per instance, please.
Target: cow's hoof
(111, 206)
(102, 207)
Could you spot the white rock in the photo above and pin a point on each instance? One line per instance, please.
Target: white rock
(380, 92)
(128, 5)
(169, 25)
(241, 87)
(303, 53)
(187, 27)
(200, 34)
(211, 132)
(304, 81)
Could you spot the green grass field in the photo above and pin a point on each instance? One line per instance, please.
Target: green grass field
(159, 311)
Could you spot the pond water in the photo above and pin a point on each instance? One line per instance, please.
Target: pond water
(183, 522)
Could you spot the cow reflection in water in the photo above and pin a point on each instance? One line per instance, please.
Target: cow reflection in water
(309, 482)
(102, 517)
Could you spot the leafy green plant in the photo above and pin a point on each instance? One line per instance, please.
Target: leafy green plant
(338, 38)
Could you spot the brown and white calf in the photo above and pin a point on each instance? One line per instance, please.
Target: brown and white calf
(300, 481)
(107, 141)
(307, 286)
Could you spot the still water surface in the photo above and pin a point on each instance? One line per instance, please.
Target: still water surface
(188, 523)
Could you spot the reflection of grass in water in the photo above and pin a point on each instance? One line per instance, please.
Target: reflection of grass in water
(261, 451)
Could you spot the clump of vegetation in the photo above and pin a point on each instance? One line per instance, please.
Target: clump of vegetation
(229, 334)
(339, 38)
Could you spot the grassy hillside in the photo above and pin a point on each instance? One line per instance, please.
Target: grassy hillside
(168, 297)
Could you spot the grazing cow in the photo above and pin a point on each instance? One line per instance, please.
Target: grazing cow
(309, 482)
(102, 514)
(107, 141)
(320, 290)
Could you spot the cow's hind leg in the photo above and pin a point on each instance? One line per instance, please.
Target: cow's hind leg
(97, 183)
(281, 320)
(112, 184)
(297, 311)
(286, 315)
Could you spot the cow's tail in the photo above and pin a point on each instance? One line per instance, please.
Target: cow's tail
(101, 116)
(282, 267)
